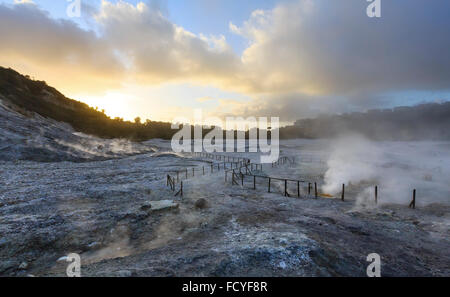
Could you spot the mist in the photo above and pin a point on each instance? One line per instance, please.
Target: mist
(396, 167)
(403, 123)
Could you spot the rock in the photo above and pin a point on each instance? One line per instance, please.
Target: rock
(93, 244)
(163, 204)
(62, 259)
(146, 206)
(283, 242)
(201, 203)
(23, 266)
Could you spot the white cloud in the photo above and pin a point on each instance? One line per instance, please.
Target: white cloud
(299, 53)
(163, 51)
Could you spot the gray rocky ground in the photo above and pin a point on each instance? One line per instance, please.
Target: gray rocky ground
(62, 192)
(101, 210)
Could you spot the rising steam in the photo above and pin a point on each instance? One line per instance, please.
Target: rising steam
(396, 167)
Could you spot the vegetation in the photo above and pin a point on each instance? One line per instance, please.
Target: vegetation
(37, 96)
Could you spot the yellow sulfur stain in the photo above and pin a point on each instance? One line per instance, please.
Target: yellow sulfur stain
(326, 195)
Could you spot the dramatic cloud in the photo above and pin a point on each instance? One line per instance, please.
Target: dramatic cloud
(304, 57)
(55, 49)
(158, 50)
(135, 43)
(332, 47)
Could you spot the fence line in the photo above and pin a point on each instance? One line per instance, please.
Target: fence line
(236, 163)
(240, 175)
(224, 158)
(283, 160)
(245, 164)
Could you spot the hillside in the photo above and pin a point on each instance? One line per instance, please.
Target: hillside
(36, 96)
(29, 136)
(37, 123)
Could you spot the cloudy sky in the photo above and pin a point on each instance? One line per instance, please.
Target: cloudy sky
(293, 59)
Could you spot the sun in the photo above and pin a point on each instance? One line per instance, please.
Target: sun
(114, 104)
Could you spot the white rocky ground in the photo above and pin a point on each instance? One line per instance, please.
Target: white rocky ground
(101, 208)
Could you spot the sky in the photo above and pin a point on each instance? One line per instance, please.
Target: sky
(291, 59)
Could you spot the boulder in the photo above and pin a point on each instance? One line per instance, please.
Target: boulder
(162, 205)
(201, 203)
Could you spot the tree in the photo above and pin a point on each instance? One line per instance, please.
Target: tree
(137, 120)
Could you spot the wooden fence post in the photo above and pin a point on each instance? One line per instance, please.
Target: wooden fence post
(269, 184)
(376, 194)
(315, 190)
(309, 188)
(413, 202)
(181, 193)
(285, 188)
(298, 189)
(343, 192)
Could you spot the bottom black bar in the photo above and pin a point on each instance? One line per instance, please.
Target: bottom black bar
(222, 286)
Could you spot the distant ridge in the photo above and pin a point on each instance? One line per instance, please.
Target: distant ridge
(429, 121)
